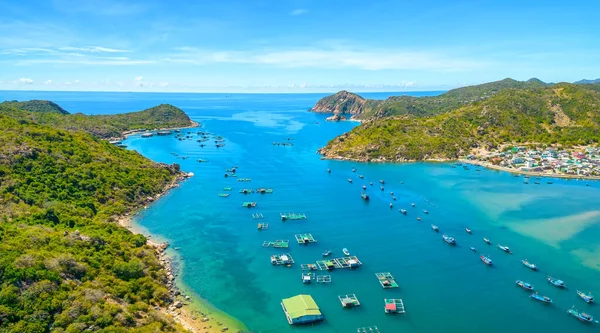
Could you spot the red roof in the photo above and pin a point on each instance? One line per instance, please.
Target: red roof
(390, 306)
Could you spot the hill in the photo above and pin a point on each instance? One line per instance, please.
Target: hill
(588, 81)
(36, 106)
(102, 126)
(351, 105)
(564, 114)
(65, 265)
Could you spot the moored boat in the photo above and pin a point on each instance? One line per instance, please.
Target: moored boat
(326, 253)
(468, 230)
(412, 204)
(382, 188)
(371, 183)
(524, 285)
(328, 170)
(487, 241)
(435, 228)
(403, 211)
(364, 196)
(558, 283)
(361, 176)
(529, 265)
(448, 239)
(543, 299)
(588, 298)
(392, 193)
(364, 187)
(504, 248)
(306, 277)
(353, 169)
(425, 212)
(346, 252)
(381, 181)
(473, 249)
(391, 205)
(349, 180)
(586, 318)
(394, 198)
(486, 260)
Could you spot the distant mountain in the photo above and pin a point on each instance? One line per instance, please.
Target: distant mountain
(37, 106)
(564, 114)
(351, 105)
(587, 81)
(102, 126)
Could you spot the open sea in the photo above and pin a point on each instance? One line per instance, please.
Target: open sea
(444, 288)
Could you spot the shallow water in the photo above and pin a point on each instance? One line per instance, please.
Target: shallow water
(444, 288)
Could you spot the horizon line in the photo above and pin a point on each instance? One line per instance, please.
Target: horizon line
(222, 92)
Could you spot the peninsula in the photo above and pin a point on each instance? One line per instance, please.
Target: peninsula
(561, 119)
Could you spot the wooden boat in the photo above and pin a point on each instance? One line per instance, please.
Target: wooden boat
(364, 187)
(364, 196)
(556, 282)
(468, 230)
(391, 205)
(588, 298)
(426, 212)
(394, 198)
(353, 170)
(326, 253)
(361, 176)
(381, 181)
(524, 285)
(504, 248)
(412, 204)
(371, 183)
(346, 252)
(349, 180)
(473, 249)
(486, 260)
(435, 228)
(448, 239)
(487, 241)
(529, 265)
(403, 211)
(418, 219)
(586, 318)
(391, 193)
(543, 299)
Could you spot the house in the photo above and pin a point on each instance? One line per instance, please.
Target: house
(301, 309)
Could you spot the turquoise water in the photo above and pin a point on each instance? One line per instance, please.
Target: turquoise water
(444, 288)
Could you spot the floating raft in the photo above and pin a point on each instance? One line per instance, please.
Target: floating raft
(345, 262)
(282, 259)
(349, 301)
(292, 216)
(258, 216)
(386, 280)
(249, 204)
(323, 278)
(394, 305)
(246, 190)
(264, 190)
(223, 195)
(309, 267)
(369, 329)
(280, 244)
(263, 226)
(227, 188)
(243, 179)
(305, 238)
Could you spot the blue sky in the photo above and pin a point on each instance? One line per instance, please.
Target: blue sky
(292, 45)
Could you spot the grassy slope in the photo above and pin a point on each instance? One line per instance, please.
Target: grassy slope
(36, 105)
(105, 126)
(63, 266)
(566, 114)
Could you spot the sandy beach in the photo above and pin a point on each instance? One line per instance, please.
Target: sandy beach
(528, 173)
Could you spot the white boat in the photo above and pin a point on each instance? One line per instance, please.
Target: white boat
(345, 251)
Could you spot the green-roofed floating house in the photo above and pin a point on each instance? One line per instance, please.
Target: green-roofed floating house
(301, 309)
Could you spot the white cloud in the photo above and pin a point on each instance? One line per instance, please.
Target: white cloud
(48, 82)
(24, 80)
(297, 12)
(164, 84)
(409, 84)
(92, 49)
(139, 81)
(87, 61)
(76, 82)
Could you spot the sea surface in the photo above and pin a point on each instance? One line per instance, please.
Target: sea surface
(444, 288)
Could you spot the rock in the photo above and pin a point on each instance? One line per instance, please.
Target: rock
(178, 304)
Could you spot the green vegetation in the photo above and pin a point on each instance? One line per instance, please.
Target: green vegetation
(65, 265)
(563, 114)
(102, 126)
(36, 105)
(351, 104)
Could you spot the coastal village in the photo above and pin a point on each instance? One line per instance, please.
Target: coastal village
(582, 162)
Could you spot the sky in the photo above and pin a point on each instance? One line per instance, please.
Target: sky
(293, 45)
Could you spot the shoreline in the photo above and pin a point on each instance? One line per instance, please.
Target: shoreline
(187, 309)
(472, 162)
(126, 134)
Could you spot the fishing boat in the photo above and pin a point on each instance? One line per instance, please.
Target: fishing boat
(382, 188)
(588, 298)
(529, 265)
(586, 318)
(361, 176)
(403, 211)
(391, 193)
(364, 187)
(353, 170)
(418, 219)
(346, 252)
(326, 253)
(328, 170)
(381, 181)
(435, 228)
(543, 299)
(394, 198)
(371, 183)
(468, 230)
(504, 248)
(412, 204)
(306, 278)
(556, 282)
(426, 212)
(524, 285)
(364, 196)
(473, 249)
(349, 180)
(391, 205)
(448, 239)
(487, 241)
(486, 260)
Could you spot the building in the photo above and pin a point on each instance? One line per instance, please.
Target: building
(301, 309)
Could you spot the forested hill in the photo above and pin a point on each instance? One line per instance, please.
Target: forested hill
(566, 114)
(351, 105)
(36, 105)
(65, 266)
(103, 126)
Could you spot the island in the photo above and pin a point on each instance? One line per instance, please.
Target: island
(530, 126)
